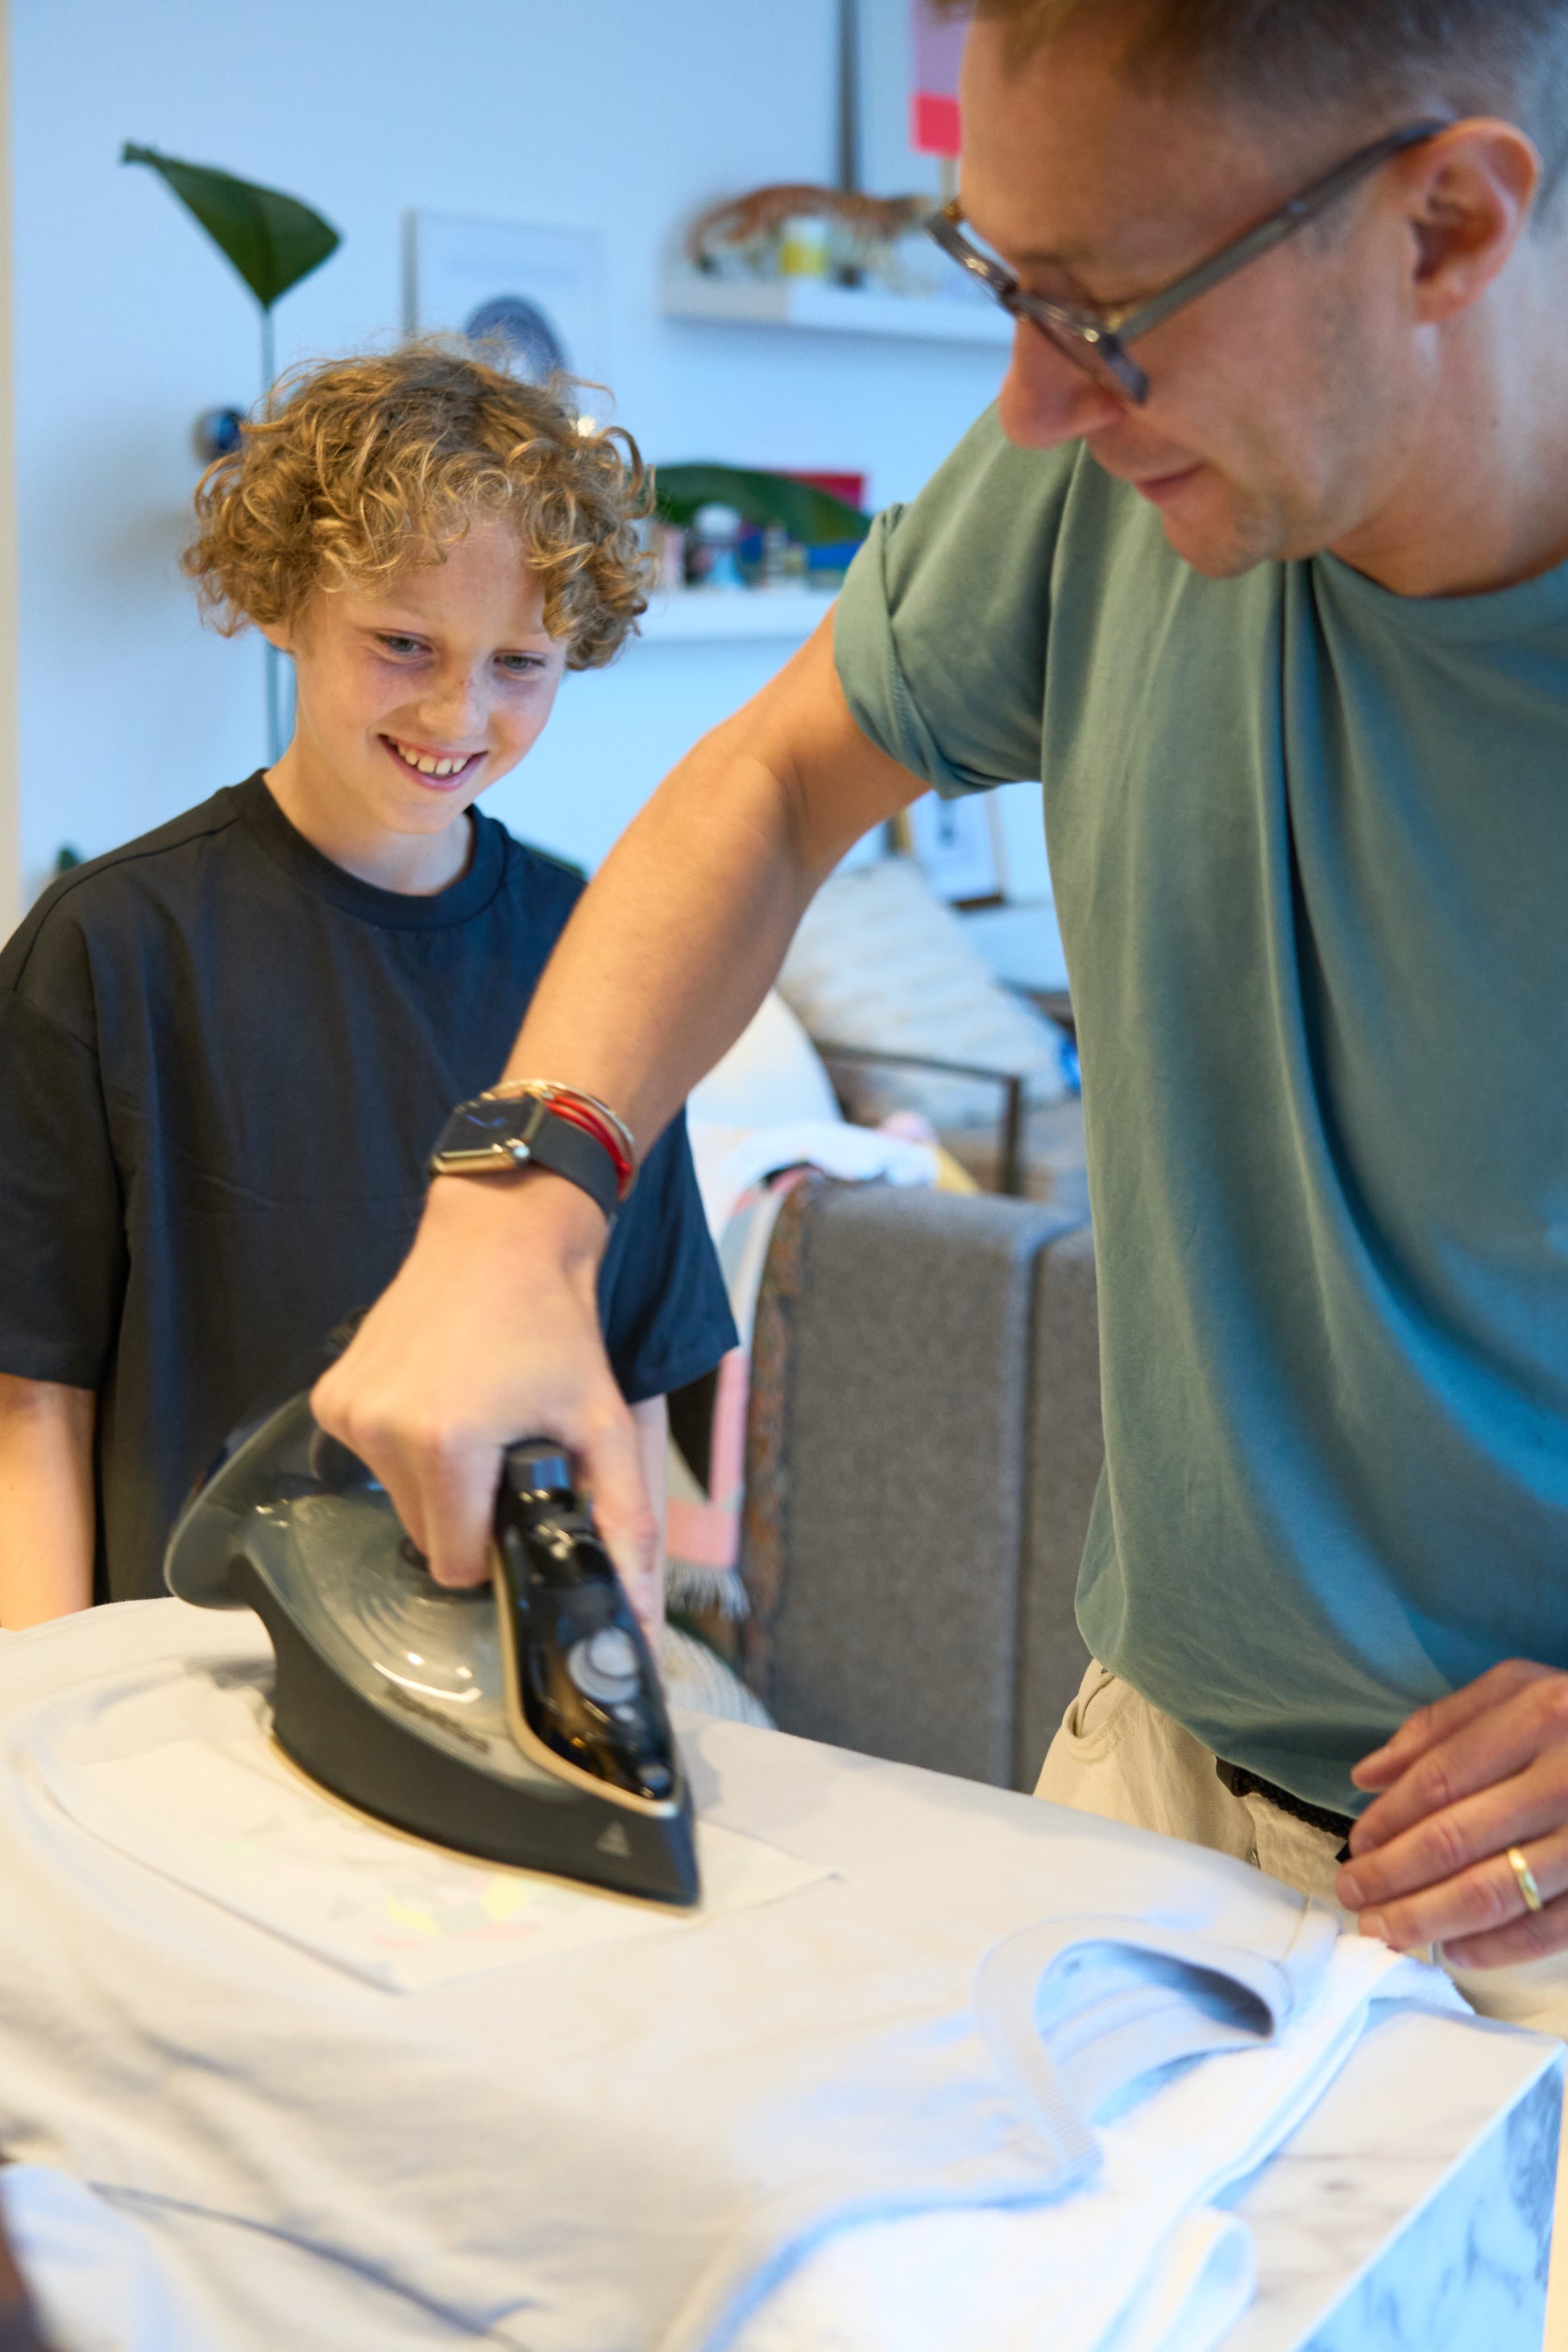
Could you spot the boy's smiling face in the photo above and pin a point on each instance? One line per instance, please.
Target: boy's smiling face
(414, 699)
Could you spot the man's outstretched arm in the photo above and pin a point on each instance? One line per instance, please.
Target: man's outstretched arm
(491, 1331)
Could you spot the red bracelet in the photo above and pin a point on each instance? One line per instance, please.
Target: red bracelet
(573, 1108)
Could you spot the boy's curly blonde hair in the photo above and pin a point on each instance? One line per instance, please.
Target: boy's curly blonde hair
(362, 467)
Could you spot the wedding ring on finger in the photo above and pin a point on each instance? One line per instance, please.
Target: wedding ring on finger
(1534, 1900)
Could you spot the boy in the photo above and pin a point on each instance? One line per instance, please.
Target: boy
(228, 1049)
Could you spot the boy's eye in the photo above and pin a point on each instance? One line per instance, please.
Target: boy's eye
(396, 644)
(521, 665)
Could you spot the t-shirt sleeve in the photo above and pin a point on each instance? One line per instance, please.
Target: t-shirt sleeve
(62, 1231)
(662, 1300)
(940, 631)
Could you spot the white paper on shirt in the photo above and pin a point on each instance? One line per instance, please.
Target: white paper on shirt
(226, 1815)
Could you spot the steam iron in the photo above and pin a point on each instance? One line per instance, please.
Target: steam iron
(523, 1723)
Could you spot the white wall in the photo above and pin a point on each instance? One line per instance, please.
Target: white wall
(614, 114)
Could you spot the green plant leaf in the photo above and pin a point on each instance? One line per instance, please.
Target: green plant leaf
(810, 516)
(273, 240)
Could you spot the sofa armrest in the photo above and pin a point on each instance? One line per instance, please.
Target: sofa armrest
(1010, 1127)
(886, 1613)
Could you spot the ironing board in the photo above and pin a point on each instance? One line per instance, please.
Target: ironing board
(199, 2067)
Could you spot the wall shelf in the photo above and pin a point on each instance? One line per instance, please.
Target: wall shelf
(728, 616)
(807, 302)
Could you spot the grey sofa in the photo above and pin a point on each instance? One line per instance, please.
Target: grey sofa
(922, 1450)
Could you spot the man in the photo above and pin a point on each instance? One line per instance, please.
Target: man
(1273, 591)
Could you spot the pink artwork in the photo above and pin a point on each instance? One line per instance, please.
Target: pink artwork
(933, 101)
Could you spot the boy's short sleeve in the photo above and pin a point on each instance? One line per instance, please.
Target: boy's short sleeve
(939, 635)
(62, 1237)
(662, 1300)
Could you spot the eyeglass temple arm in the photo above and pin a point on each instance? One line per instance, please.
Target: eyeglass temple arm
(1127, 324)
(941, 227)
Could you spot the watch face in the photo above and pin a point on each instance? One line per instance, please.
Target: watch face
(483, 1128)
(478, 1123)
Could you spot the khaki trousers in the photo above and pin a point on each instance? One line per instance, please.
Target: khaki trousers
(1118, 1757)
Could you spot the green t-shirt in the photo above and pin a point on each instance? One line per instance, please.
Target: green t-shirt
(1309, 848)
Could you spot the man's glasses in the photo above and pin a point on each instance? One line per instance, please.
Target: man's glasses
(1097, 340)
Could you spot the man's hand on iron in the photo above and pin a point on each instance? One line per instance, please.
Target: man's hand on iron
(1458, 1785)
(490, 1333)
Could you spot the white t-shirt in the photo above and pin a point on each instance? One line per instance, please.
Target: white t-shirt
(587, 2126)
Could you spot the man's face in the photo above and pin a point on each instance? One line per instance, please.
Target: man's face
(1283, 403)
(415, 697)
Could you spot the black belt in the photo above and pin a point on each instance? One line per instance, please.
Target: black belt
(1243, 1783)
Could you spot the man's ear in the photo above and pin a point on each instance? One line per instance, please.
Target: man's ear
(1469, 197)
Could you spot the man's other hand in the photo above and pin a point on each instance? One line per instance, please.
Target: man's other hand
(1458, 1785)
(447, 1371)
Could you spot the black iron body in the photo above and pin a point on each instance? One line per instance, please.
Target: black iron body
(362, 1753)
(580, 1776)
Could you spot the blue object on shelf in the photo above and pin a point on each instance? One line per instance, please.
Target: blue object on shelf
(217, 431)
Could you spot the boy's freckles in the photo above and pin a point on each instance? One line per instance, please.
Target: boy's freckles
(412, 699)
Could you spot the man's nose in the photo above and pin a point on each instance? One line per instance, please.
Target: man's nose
(1046, 398)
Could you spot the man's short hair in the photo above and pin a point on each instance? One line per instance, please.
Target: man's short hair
(360, 467)
(1376, 60)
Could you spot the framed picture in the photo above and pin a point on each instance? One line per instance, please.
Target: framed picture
(536, 292)
(890, 163)
(938, 46)
(957, 843)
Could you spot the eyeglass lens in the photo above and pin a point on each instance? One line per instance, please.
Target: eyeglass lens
(1126, 380)
(1120, 375)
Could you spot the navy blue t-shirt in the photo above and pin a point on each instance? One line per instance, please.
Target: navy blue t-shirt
(223, 1065)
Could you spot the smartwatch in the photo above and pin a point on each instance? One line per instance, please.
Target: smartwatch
(495, 1134)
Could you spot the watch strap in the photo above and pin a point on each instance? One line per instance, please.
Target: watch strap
(490, 1135)
(583, 1110)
